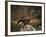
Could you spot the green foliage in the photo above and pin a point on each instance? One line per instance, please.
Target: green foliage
(38, 27)
(13, 27)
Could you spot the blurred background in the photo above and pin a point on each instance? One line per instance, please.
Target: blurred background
(17, 11)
